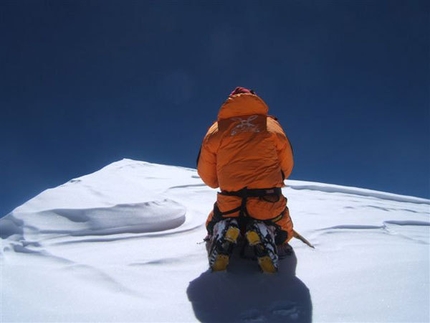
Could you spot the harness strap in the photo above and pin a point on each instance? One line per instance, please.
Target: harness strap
(244, 193)
(253, 192)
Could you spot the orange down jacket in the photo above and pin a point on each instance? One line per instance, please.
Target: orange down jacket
(246, 148)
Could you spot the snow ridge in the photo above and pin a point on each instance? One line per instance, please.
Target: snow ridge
(125, 244)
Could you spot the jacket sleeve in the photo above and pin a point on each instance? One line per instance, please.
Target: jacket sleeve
(283, 146)
(206, 162)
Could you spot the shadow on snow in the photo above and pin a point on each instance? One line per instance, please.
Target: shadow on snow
(243, 294)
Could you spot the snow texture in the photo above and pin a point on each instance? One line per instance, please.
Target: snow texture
(124, 244)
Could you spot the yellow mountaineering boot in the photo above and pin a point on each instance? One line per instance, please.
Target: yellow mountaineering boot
(222, 242)
(261, 238)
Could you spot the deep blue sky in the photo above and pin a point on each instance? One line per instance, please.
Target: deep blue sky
(86, 83)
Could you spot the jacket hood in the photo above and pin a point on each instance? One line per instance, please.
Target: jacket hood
(242, 104)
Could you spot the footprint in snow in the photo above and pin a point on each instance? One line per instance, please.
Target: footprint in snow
(284, 312)
(252, 316)
(289, 311)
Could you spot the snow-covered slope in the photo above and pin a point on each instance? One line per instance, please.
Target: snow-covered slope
(124, 245)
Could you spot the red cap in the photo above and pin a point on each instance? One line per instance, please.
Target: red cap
(240, 89)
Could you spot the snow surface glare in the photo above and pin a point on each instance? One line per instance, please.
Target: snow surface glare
(124, 245)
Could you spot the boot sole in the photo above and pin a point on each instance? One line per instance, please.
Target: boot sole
(220, 263)
(266, 265)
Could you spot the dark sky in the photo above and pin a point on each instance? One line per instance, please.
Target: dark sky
(87, 83)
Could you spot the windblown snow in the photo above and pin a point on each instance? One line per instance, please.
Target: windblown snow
(124, 244)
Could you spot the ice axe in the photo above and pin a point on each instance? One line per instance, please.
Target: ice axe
(302, 239)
